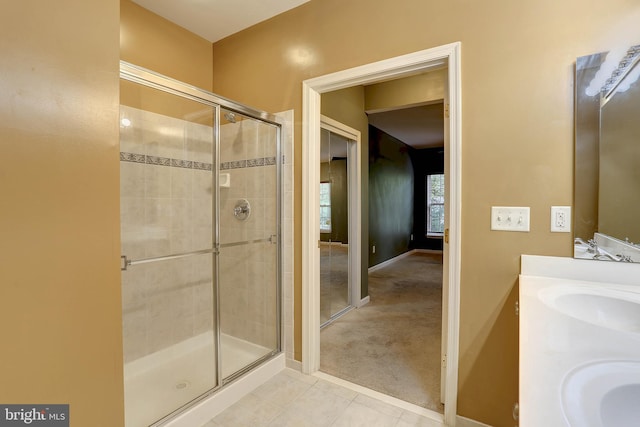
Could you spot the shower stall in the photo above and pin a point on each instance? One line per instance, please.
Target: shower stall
(200, 232)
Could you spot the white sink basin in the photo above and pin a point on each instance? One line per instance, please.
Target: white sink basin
(603, 394)
(602, 306)
(579, 343)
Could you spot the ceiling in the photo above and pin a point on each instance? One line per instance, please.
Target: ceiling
(216, 19)
(419, 127)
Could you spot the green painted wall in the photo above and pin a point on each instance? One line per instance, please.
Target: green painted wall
(390, 196)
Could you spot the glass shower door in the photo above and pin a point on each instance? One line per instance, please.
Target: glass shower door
(167, 197)
(248, 256)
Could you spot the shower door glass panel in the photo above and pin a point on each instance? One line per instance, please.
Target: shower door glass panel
(248, 257)
(166, 170)
(335, 295)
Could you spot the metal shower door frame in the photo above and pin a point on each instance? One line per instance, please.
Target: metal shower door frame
(148, 78)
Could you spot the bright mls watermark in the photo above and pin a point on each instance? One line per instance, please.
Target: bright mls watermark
(34, 415)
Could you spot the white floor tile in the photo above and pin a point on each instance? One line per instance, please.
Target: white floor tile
(250, 411)
(378, 405)
(291, 399)
(409, 419)
(336, 389)
(281, 390)
(316, 407)
(358, 415)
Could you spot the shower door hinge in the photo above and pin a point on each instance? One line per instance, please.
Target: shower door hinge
(446, 111)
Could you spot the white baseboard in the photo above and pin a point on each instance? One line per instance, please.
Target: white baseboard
(389, 261)
(294, 364)
(399, 257)
(323, 243)
(364, 301)
(428, 251)
(467, 422)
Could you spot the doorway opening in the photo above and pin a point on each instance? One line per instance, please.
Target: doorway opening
(393, 344)
(376, 72)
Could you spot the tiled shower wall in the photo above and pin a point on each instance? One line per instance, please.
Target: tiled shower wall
(166, 208)
(248, 271)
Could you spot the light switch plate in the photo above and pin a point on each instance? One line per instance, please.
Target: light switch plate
(510, 218)
(561, 219)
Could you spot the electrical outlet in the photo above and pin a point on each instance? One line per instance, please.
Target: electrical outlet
(510, 218)
(373, 249)
(561, 219)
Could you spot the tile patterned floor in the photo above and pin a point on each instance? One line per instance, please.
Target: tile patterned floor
(291, 399)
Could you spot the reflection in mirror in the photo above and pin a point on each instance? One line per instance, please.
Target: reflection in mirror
(607, 172)
(334, 227)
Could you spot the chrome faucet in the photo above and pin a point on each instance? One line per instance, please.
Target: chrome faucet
(593, 247)
(624, 258)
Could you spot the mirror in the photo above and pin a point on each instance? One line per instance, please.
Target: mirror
(335, 289)
(607, 153)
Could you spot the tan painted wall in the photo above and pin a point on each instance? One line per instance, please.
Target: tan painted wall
(413, 90)
(152, 42)
(517, 90)
(60, 315)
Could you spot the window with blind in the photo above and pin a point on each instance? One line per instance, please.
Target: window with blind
(435, 205)
(325, 207)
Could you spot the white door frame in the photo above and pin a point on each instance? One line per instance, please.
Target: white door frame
(312, 89)
(354, 199)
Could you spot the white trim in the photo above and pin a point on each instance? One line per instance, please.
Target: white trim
(428, 251)
(294, 364)
(344, 245)
(389, 261)
(468, 422)
(286, 233)
(433, 415)
(364, 301)
(402, 255)
(398, 67)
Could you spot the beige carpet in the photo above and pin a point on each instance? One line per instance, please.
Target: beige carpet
(392, 344)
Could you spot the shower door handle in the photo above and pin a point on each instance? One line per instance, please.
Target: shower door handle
(126, 262)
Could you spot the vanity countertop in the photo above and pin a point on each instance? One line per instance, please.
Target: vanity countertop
(579, 322)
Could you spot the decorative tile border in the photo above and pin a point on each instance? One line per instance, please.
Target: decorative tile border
(188, 164)
(160, 161)
(164, 161)
(202, 166)
(251, 163)
(132, 157)
(236, 164)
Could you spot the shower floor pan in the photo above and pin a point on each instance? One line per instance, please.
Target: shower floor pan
(172, 377)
